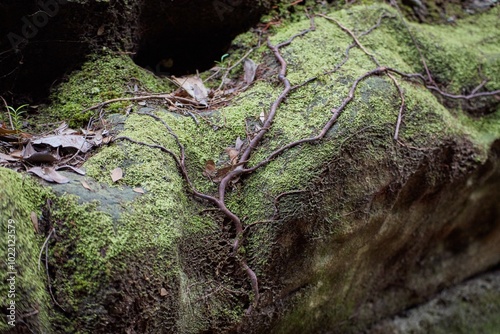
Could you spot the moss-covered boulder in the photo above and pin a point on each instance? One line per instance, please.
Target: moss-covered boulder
(42, 41)
(340, 233)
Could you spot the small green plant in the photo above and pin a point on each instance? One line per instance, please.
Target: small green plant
(222, 59)
(15, 116)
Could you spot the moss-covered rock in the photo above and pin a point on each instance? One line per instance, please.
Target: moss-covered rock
(359, 226)
(24, 298)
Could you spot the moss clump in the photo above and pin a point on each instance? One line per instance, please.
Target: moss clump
(101, 78)
(20, 197)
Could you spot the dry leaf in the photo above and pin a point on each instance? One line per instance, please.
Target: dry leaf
(58, 178)
(138, 190)
(34, 156)
(77, 142)
(239, 143)
(116, 174)
(233, 155)
(74, 169)
(49, 174)
(8, 158)
(34, 220)
(194, 86)
(250, 69)
(210, 169)
(100, 31)
(85, 185)
(16, 154)
(4, 131)
(163, 292)
(262, 117)
(223, 172)
(210, 166)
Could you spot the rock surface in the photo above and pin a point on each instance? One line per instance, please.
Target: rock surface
(359, 226)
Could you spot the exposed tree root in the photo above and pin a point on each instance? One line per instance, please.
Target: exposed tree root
(255, 138)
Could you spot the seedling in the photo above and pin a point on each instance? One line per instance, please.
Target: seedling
(15, 116)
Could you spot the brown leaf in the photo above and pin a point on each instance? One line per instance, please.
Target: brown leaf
(116, 174)
(233, 155)
(250, 69)
(163, 292)
(194, 86)
(4, 131)
(100, 31)
(239, 143)
(34, 220)
(223, 172)
(138, 190)
(77, 142)
(74, 169)
(85, 185)
(30, 154)
(58, 178)
(48, 174)
(8, 158)
(16, 154)
(210, 169)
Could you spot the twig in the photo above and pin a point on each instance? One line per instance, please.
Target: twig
(335, 114)
(232, 67)
(346, 54)
(48, 276)
(8, 113)
(358, 43)
(422, 58)
(43, 247)
(402, 106)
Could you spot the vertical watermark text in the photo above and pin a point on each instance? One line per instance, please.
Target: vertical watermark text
(11, 272)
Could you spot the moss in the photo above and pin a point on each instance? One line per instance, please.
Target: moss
(143, 244)
(20, 197)
(102, 77)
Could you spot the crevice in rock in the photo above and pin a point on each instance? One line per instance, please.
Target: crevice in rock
(184, 37)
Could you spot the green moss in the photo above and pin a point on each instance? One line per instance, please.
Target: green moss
(145, 240)
(20, 197)
(102, 78)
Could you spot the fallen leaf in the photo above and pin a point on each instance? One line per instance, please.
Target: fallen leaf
(116, 174)
(16, 154)
(85, 185)
(194, 86)
(163, 292)
(100, 31)
(210, 169)
(60, 129)
(58, 178)
(223, 172)
(262, 117)
(34, 220)
(233, 155)
(74, 169)
(48, 174)
(8, 157)
(30, 154)
(138, 190)
(250, 69)
(239, 143)
(4, 131)
(97, 140)
(77, 142)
